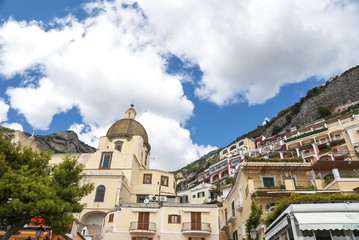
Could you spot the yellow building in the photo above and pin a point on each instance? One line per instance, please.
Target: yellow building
(239, 148)
(119, 170)
(266, 183)
(165, 221)
(333, 139)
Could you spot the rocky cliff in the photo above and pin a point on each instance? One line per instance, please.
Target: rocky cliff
(62, 142)
(337, 91)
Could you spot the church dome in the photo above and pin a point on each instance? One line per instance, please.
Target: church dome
(127, 128)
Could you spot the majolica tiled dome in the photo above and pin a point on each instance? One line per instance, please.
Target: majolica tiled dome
(127, 128)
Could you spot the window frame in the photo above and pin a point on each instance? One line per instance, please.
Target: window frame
(175, 217)
(147, 175)
(98, 197)
(201, 194)
(268, 176)
(110, 217)
(119, 144)
(167, 180)
(102, 160)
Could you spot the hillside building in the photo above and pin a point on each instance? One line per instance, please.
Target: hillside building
(202, 193)
(266, 183)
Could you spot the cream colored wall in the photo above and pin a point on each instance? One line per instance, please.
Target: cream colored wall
(112, 185)
(155, 187)
(127, 215)
(164, 230)
(209, 215)
(191, 192)
(344, 185)
(249, 144)
(58, 158)
(134, 146)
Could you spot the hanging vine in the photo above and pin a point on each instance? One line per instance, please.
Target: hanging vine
(253, 219)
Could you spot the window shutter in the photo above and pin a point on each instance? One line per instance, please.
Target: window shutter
(133, 238)
(179, 218)
(110, 218)
(169, 219)
(149, 238)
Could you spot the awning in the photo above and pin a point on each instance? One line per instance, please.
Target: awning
(282, 224)
(328, 220)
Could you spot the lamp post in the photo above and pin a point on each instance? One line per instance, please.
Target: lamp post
(253, 233)
(39, 232)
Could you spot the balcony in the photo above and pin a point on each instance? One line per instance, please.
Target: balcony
(231, 217)
(196, 228)
(239, 206)
(143, 227)
(224, 225)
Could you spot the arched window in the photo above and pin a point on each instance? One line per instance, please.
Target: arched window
(100, 193)
(270, 208)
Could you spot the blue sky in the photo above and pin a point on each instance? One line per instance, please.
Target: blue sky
(200, 73)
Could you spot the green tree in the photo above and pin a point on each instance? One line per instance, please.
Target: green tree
(30, 188)
(323, 111)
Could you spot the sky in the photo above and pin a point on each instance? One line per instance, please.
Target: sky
(200, 73)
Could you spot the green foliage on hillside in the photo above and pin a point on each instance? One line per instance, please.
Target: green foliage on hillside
(296, 198)
(323, 111)
(349, 70)
(5, 130)
(195, 167)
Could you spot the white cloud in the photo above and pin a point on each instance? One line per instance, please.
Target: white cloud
(103, 65)
(89, 134)
(4, 108)
(248, 49)
(266, 119)
(172, 146)
(100, 66)
(15, 126)
(27, 44)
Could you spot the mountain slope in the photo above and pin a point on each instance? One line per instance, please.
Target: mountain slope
(63, 142)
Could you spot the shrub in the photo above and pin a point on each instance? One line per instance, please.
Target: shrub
(323, 111)
(253, 218)
(294, 198)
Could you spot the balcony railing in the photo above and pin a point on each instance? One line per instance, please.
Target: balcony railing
(196, 227)
(231, 217)
(224, 225)
(147, 227)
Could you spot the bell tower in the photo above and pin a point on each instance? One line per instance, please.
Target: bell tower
(131, 113)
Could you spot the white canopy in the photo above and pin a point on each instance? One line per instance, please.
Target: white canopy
(328, 220)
